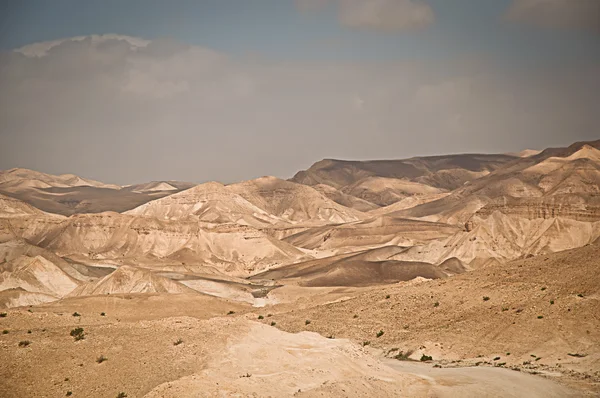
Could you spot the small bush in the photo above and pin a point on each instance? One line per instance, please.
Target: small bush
(501, 364)
(538, 358)
(273, 323)
(76, 313)
(5, 331)
(403, 356)
(331, 336)
(543, 289)
(425, 358)
(69, 393)
(307, 322)
(24, 343)
(269, 315)
(29, 332)
(387, 297)
(540, 316)
(551, 301)
(261, 317)
(508, 353)
(436, 304)
(78, 334)
(3, 314)
(366, 343)
(355, 316)
(178, 341)
(101, 359)
(504, 309)
(121, 395)
(497, 358)
(485, 298)
(379, 334)
(231, 313)
(577, 355)
(102, 314)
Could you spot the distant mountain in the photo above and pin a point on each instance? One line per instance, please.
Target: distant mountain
(69, 194)
(445, 172)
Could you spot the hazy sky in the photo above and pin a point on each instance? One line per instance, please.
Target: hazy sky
(230, 90)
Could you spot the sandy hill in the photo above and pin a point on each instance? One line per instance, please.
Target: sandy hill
(344, 199)
(35, 275)
(556, 182)
(340, 173)
(27, 177)
(359, 269)
(18, 297)
(536, 314)
(69, 194)
(293, 202)
(125, 239)
(505, 237)
(386, 191)
(128, 279)
(210, 202)
(375, 232)
(11, 207)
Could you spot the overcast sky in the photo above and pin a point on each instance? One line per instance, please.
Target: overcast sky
(227, 90)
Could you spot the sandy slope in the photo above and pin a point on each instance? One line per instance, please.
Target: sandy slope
(542, 307)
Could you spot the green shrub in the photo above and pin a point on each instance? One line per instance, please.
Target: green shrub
(543, 289)
(497, 358)
(436, 304)
(387, 297)
(355, 316)
(121, 395)
(231, 313)
(273, 323)
(551, 301)
(5, 331)
(76, 313)
(380, 333)
(69, 393)
(178, 341)
(307, 322)
(3, 314)
(102, 314)
(425, 358)
(366, 343)
(540, 316)
(24, 343)
(485, 298)
(261, 317)
(78, 334)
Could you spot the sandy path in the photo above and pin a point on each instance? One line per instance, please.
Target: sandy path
(482, 382)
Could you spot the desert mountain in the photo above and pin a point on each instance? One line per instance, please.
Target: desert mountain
(131, 280)
(445, 172)
(293, 202)
(35, 275)
(344, 199)
(124, 239)
(69, 194)
(386, 191)
(555, 183)
(210, 202)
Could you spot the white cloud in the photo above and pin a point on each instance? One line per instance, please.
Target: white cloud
(577, 14)
(167, 110)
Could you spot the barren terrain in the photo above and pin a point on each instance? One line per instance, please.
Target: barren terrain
(448, 276)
